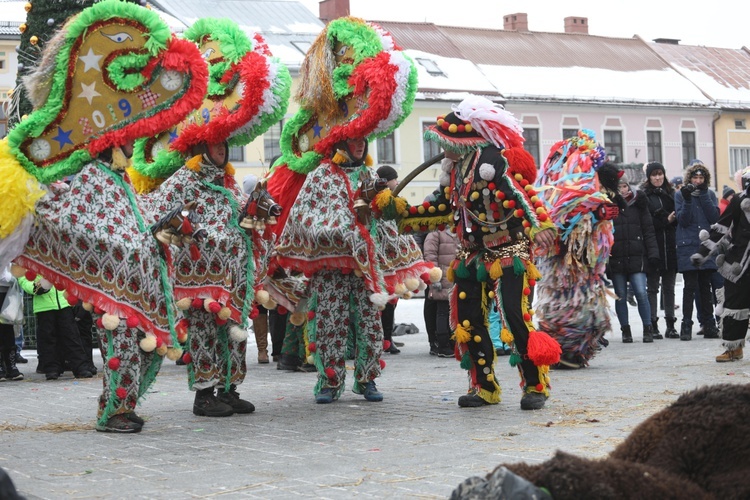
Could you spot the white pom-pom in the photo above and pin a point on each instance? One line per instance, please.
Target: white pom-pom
(379, 299)
(411, 283)
(270, 304)
(436, 274)
(224, 313)
(184, 304)
(400, 289)
(311, 360)
(703, 235)
(88, 306)
(148, 343)
(407, 296)
(446, 165)
(162, 350)
(237, 333)
(110, 321)
(445, 179)
(297, 318)
(45, 284)
(174, 353)
(487, 171)
(17, 271)
(422, 285)
(262, 296)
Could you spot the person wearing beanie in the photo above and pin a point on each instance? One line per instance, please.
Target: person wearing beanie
(697, 209)
(660, 195)
(389, 174)
(726, 196)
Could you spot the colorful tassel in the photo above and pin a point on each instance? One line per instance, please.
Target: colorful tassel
(506, 336)
(482, 274)
(496, 270)
(518, 267)
(534, 273)
(450, 274)
(543, 349)
(462, 271)
(466, 361)
(462, 335)
(514, 359)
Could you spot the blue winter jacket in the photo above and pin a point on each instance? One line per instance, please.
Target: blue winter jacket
(700, 213)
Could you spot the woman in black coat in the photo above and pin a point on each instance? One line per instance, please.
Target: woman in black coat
(633, 251)
(660, 195)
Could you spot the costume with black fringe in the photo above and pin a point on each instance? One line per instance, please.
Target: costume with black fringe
(487, 198)
(572, 301)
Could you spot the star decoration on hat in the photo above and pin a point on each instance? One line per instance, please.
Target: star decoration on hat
(88, 91)
(90, 61)
(317, 129)
(63, 137)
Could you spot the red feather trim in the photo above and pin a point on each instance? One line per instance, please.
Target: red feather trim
(543, 349)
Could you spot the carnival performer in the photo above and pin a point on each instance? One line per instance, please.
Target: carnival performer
(214, 282)
(487, 195)
(728, 240)
(92, 239)
(355, 86)
(579, 191)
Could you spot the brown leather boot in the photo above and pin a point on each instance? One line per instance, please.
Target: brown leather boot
(260, 327)
(730, 355)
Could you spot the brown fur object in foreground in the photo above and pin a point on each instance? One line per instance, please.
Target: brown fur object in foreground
(698, 447)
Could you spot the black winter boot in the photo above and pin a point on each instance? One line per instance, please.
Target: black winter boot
(627, 336)
(710, 331)
(206, 404)
(686, 330)
(9, 361)
(671, 332)
(232, 398)
(655, 330)
(648, 334)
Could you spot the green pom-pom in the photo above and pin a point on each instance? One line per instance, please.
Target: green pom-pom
(466, 361)
(514, 359)
(482, 274)
(518, 267)
(462, 271)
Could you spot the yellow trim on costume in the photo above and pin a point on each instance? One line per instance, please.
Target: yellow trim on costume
(20, 191)
(194, 163)
(496, 270)
(532, 271)
(142, 183)
(339, 158)
(462, 335)
(490, 397)
(229, 169)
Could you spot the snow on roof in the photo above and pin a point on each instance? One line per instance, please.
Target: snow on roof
(455, 74)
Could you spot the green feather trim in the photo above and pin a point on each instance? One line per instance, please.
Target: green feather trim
(162, 166)
(234, 42)
(482, 274)
(309, 160)
(514, 359)
(121, 70)
(360, 36)
(462, 271)
(518, 267)
(466, 363)
(341, 87)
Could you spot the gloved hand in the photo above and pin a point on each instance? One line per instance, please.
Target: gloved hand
(436, 286)
(654, 263)
(687, 191)
(607, 211)
(698, 259)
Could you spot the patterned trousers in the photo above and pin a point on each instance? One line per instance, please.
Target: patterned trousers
(216, 358)
(341, 301)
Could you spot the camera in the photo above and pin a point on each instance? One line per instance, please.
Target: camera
(690, 187)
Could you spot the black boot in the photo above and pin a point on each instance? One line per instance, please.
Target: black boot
(671, 332)
(9, 361)
(232, 398)
(206, 404)
(686, 330)
(710, 332)
(19, 358)
(655, 330)
(648, 334)
(627, 337)
(444, 349)
(289, 362)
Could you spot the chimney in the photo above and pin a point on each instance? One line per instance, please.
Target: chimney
(333, 9)
(575, 24)
(516, 22)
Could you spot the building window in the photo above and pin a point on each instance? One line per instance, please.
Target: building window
(532, 143)
(739, 124)
(430, 148)
(387, 149)
(569, 132)
(653, 145)
(431, 66)
(237, 153)
(688, 147)
(613, 145)
(271, 138)
(739, 158)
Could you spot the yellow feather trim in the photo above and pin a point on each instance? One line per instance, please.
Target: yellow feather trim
(229, 169)
(143, 183)
(506, 336)
(430, 222)
(383, 199)
(194, 163)
(339, 158)
(450, 274)
(496, 270)
(20, 191)
(532, 271)
(368, 161)
(462, 334)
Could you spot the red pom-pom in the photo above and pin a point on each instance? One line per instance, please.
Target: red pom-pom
(539, 387)
(99, 323)
(386, 344)
(526, 291)
(312, 347)
(72, 299)
(407, 229)
(523, 182)
(462, 128)
(543, 349)
(412, 211)
(542, 217)
(197, 303)
(254, 312)
(98, 310)
(121, 393)
(499, 195)
(511, 203)
(132, 322)
(526, 317)
(532, 282)
(521, 162)
(491, 186)
(214, 307)
(221, 322)
(445, 125)
(187, 358)
(441, 227)
(159, 342)
(182, 326)
(281, 309)
(113, 363)
(330, 373)
(195, 252)
(425, 277)
(382, 363)
(30, 275)
(423, 228)
(426, 204)
(520, 213)
(310, 315)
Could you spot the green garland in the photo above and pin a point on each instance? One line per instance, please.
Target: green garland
(310, 159)
(360, 36)
(234, 42)
(121, 70)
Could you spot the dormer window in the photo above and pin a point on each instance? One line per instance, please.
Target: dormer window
(431, 67)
